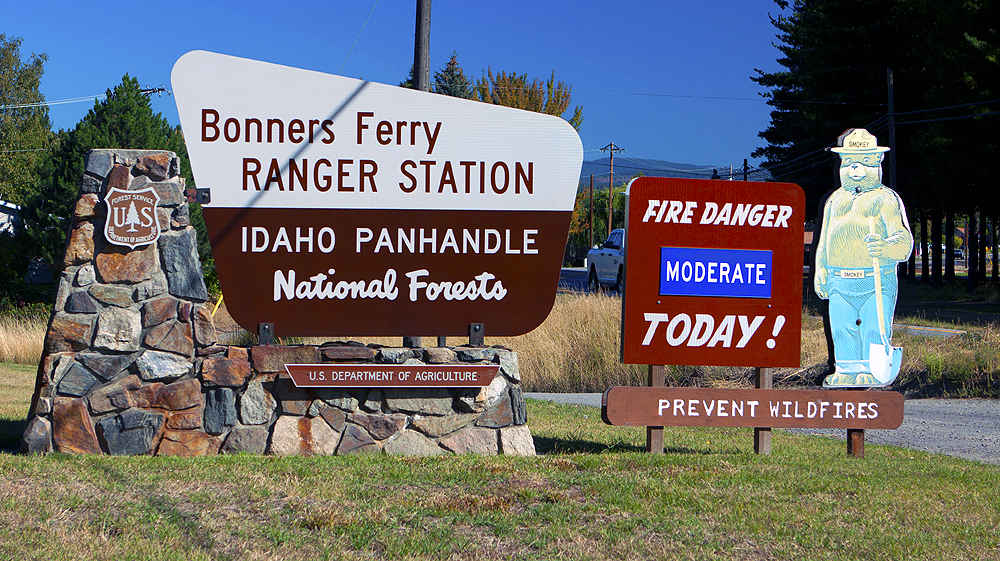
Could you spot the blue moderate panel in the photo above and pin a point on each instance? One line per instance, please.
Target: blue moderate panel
(697, 271)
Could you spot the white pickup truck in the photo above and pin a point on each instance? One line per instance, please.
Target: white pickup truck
(606, 263)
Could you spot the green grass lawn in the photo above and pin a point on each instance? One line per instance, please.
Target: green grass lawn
(590, 494)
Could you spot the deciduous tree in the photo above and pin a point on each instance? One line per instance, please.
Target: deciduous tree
(514, 90)
(507, 89)
(24, 120)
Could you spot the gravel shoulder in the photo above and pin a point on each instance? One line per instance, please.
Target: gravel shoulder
(963, 428)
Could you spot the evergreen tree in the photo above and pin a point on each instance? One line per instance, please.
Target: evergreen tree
(981, 74)
(451, 80)
(24, 131)
(410, 80)
(835, 53)
(124, 119)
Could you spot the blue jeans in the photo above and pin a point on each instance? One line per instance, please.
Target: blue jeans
(854, 316)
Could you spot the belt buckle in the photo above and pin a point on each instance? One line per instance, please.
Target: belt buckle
(852, 274)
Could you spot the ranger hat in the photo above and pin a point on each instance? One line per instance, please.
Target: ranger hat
(858, 141)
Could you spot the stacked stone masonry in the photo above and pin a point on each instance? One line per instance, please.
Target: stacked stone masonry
(132, 363)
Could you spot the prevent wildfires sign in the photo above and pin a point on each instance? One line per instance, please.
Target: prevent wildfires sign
(345, 207)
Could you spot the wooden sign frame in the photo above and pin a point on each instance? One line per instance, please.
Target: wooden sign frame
(733, 407)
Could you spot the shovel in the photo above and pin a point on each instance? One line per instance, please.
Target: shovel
(884, 360)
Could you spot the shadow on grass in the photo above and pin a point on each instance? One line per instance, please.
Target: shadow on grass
(546, 445)
(10, 435)
(195, 534)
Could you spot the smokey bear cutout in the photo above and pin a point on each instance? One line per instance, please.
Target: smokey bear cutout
(863, 235)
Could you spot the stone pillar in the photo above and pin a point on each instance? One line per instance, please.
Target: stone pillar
(125, 321)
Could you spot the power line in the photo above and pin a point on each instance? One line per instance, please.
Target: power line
(684, 172)
(949, 107)
(147, 90)
(813, 154)
(816, 102)
(991, 113)
(662, 167)
(819, 155)
(50, 103)
(359, 36)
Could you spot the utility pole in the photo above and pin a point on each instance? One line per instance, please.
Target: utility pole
(591, 223)
(422, 82)
(909, 267)
(422, 47)
(891, 156)
(148, 91)
(611, 186)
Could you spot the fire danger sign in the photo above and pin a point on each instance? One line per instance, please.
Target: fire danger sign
(345, 207)
(713, 273)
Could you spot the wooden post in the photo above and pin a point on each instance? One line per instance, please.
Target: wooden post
(856, 442)
(762, 436)
(591, 214)
(654, 435)
(611, 186)
(611, 193)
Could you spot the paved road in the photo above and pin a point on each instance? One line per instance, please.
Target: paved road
(963, 428)
(573, 278)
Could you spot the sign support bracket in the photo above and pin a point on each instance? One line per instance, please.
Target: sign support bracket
(265, 334)
(198, 195)
(477, 334)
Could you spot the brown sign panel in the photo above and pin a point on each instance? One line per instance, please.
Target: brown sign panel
(391, 375)
(707, 407)
(319, 272)
(713, 273)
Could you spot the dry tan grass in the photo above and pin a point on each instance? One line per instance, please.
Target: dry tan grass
(577, 349)
(21, 339)
(963, 366)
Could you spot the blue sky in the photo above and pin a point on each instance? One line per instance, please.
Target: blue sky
(666, 80)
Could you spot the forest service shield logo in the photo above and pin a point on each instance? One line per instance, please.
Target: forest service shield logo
(132, 217)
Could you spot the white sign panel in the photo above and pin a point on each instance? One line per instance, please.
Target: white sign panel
(268, 136)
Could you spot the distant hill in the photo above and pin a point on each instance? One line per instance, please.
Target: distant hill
(626, 167)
